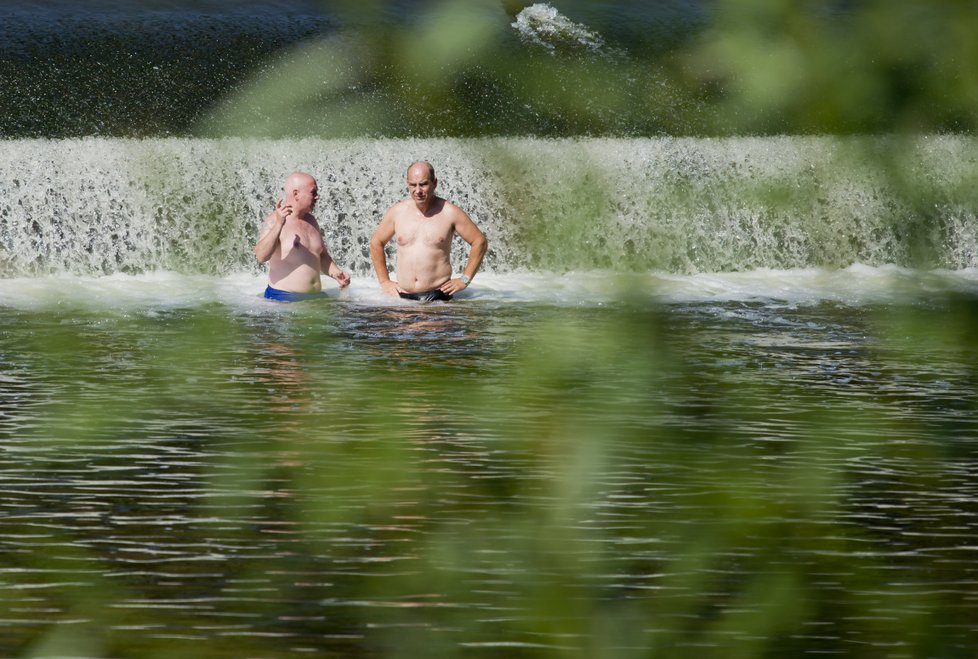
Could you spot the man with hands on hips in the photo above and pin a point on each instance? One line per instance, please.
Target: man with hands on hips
(424, 226)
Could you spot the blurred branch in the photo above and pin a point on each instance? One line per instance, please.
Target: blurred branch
(876, 66)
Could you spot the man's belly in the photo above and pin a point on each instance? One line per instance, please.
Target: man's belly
(301, 279)
(422, 272)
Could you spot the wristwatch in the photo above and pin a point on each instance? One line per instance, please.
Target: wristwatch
(466, 279)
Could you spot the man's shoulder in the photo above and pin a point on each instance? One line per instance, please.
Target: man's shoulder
(396, 206)
(453, 211)
(400, 208)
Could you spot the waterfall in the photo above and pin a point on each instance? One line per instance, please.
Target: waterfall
(105, 205)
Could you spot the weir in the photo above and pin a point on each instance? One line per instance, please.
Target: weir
(678, 205)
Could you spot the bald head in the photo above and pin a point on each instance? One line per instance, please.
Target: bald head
(297, 179)
(301, 191)
(424, 166)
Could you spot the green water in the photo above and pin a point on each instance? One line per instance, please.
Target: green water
(483, 479)
(710, 397)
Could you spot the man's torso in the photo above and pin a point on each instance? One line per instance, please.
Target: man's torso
(423, 246)
(295, 265)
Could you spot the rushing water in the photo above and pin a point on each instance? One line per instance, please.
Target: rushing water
(684, 206)
(707, 397)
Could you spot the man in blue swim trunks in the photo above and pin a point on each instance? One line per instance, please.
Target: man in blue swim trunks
(291, 241)
(424, 225)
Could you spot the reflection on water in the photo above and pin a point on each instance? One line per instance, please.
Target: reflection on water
(473, 479)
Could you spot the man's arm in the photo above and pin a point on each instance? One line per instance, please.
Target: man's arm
(381, 236)
(478, 245)
(330, 268)
(268, 238)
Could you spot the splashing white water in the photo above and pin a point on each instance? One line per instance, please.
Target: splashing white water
(161, 291)
(542, 25)
(684, 206)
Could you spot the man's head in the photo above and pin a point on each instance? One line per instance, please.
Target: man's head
(421, 182)
(302, 192)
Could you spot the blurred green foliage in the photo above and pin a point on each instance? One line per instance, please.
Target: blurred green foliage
(606, 486)
(475, 479)
(751, 66)
(453, 69)
(777, 66)
(718, 67)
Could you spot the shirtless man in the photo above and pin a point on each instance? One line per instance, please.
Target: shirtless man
(424, 225)
(292, 242)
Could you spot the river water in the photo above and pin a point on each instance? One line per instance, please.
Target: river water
(707, 397)
(512, 474)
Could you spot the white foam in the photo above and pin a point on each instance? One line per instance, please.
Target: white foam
(856, 285)
(544, 26)
(96, 206)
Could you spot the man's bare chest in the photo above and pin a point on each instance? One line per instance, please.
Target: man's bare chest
(301, 235)
(426, 231)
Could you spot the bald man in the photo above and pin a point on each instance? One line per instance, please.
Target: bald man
(424, 225)
(291, 241)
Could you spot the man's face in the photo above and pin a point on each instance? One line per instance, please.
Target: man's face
(306, 195)
(420, 184)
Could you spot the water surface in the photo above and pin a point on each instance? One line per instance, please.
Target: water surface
(491, 476)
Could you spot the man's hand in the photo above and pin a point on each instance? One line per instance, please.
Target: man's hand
(341, 277)
(391, 288)
(282, 210)
(452, 286)
(271, 231)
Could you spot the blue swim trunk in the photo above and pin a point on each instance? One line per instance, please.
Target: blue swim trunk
(289, 296)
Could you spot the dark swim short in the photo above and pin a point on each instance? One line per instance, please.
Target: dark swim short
(428, 296)
(289, 296)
